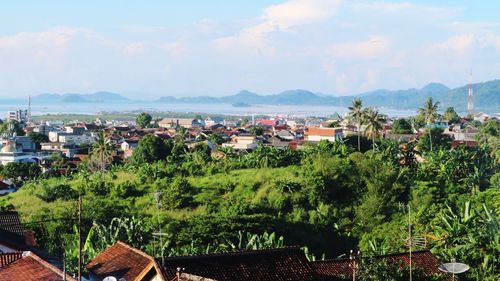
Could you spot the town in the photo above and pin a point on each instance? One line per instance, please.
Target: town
(159, 148)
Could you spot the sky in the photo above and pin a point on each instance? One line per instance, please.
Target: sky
(148, 49)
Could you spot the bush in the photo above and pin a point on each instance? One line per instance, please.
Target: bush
(175, 194)
(51, 193)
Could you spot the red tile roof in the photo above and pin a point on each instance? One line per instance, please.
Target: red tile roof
(315, 131)
(30, 267)
(121, 261)
(271, 264)
(335, 269)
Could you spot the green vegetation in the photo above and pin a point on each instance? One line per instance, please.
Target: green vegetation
(143, 120)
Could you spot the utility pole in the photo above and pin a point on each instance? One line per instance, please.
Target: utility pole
(409, 236)
(158, 203)
(79, 235)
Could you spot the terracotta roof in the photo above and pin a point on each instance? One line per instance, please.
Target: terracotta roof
(330, 132)
(30, 267)
(271, 264)
(121, 261)
(335, 269)
(9, 221)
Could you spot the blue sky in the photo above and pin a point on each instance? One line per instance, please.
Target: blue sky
(149, 49)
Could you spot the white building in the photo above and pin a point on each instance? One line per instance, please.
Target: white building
(9, 154)
(242, 142)
(316, 134)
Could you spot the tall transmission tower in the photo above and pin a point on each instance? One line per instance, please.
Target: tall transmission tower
(29, 111)
(470, 97)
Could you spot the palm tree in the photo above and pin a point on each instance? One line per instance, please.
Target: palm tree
(429, 111)
(356, 113)
(374, 123)
(102, 153)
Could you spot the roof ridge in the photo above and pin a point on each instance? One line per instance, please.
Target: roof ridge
(378, 256)
(229, 253)
(135, 250)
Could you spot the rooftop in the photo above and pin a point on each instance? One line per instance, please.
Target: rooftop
(28, 267)
(279, 264)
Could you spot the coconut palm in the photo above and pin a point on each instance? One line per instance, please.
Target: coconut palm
(356, 113)
(102, 153)
(429, 111)
(374, 122)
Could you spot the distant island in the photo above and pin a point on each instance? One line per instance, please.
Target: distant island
(241, 104)
(486, 98)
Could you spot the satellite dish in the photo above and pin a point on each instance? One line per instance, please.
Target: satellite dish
(110, 278)
(454, 267)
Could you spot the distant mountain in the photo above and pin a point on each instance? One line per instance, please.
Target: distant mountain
(486, 96)
(99, 97)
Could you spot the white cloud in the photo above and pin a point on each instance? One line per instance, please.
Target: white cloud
(375, 47)
(278, 18)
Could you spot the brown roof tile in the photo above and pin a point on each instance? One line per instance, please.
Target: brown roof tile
(272, 264)
(31, 267)
(121, 261)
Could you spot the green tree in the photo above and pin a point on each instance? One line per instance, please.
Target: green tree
(451, 115)
(402, 126)
(20, 171)
(175, 194)
(151, 149)
(356, 112)
(257, 130)
(433, 137)
(102, 153)
(374, 123)
(472, 236)
(12, 127)
(429, 112)
(143, 120)
(38, 138)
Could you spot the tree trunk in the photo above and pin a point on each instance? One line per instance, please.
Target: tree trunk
(359, 137)
(430, 137)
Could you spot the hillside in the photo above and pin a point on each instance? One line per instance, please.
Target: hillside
(486, 96)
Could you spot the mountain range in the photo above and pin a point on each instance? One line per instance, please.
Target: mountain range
(486, 97)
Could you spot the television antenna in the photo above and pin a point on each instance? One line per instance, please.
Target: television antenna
(453, 268)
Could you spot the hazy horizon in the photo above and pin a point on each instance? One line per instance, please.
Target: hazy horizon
(217, 48)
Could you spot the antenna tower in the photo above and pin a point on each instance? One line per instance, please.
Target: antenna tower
(470, 97)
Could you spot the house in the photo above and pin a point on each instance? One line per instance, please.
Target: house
(28, 266)
(210, 121)
(69, 150)
(342, 269)
(316, 134)
(242, 142)
(285, 135)
(10, 153)
(268, 122)
(481, 117)
(128, 146)
(179, 122)
(124, 263)
(278, 264)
